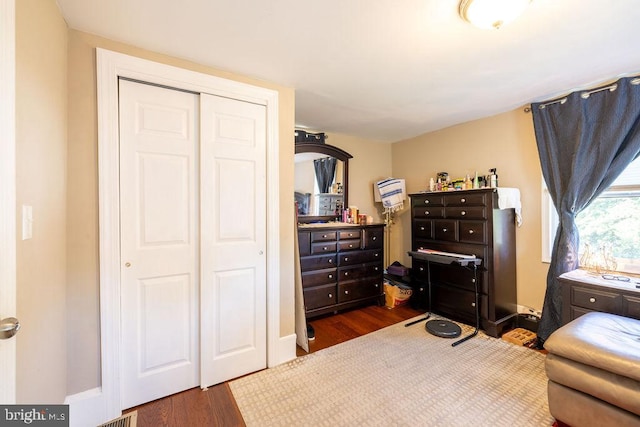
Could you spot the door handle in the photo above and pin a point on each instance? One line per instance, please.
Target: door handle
(8, 327)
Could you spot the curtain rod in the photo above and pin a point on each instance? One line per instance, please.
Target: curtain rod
(583, 95)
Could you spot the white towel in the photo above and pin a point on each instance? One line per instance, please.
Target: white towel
(392, 193)
(510, 198)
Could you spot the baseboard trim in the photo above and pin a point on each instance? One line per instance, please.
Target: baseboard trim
(88, 408)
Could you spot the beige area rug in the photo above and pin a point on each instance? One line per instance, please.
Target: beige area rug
(401, 376)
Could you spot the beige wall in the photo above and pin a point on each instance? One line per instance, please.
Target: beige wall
(506, 142)
(82, 203)
(41, 136)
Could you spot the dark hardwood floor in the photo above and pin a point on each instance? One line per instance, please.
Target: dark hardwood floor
(217, 407)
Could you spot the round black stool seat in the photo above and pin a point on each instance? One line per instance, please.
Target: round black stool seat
(443, 328)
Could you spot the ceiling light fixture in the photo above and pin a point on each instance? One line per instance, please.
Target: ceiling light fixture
(491, 14)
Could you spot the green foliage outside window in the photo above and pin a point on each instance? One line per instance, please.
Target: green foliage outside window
(612, 221)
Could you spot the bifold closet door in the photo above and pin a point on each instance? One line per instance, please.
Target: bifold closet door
(159, 169)
(233, 238)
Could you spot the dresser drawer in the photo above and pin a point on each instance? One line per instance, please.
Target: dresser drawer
(323, 247)
(318, 262)
(477, 199)
(454, 275)
(304, 243)
(465, 212)
(349, 234)
(427, 200)
(631, 307)
(360, 257)
(420, 270)
(422, 228)
(472, 232)
(457, 303)
(349, 245)
(576, 312)
(325, 206)
(323, 236)
(373, 238)
(359, 271)
(428, 212)
(320, 296)
(319, 277)
(596, 300)
(445, 229)
(350, 291)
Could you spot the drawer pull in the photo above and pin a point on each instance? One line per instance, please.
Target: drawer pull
(421, 228)
(421, 289)
(331, 276)
(426, 202)
(324, 248)
(376, 268)
(426, 212)
(330, 261)
(463, 200)
(421, 268)
(592, 299)
(324, 236)
(346, 259)
(374, 238)
(346, 273)
(444, 230)
(376, 285)
(473, 280)
(330, 295)
(350, 246)
(350, 234)
(470, 231)
(463, 213)
(473, 304)
(346, 292)
(376, 255)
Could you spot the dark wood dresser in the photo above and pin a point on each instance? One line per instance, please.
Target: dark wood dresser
(583, 292)
(342, 266)
(466, 222)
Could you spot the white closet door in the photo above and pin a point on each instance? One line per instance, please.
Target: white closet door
(233, 239)
(159, 241)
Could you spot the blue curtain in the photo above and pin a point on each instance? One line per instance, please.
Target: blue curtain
(585, 141)
(325, 171)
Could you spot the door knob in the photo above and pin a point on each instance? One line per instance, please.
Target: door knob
(8, 327)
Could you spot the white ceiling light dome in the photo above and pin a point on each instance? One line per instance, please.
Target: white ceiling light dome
(491, 14)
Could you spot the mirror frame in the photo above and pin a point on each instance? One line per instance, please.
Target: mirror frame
(330, 150)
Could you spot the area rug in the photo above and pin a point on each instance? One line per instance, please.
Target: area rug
(401, 376)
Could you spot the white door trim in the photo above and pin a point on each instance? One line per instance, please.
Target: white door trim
(7, 195)
(111, 66)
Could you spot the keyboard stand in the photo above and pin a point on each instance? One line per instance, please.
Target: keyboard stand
(449, 329)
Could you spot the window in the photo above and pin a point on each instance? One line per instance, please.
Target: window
(611, 221)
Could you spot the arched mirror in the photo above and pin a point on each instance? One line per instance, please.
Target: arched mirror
(321, 182)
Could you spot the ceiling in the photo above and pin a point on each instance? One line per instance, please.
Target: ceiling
(385, 70)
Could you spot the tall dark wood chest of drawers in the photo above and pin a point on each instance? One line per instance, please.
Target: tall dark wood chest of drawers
(466, 222)
(342, 266)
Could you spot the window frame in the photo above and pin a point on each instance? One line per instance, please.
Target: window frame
(550, 217)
